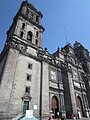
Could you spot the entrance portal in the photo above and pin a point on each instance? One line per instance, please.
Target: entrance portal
(55, 106)
(79, 106)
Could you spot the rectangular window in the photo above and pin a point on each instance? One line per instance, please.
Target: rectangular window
(37, 18)
(29, 66)
(27, 90)
(37, 34)
(32, 15)
(25, 106)
(28, 77)
(21, 34)
(23, 25)
(36, 42)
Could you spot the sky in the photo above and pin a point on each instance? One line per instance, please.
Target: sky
(64, 21)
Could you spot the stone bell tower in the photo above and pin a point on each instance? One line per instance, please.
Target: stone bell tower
(26, 26)
(19, 64)
(83, 56)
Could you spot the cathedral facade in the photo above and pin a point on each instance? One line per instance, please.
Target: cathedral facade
(33, 79)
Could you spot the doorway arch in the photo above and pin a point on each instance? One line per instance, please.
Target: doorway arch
(55, 106)
(79, 106)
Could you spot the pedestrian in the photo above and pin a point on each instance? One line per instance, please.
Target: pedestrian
(73, 117)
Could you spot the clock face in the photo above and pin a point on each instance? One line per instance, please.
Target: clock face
(53, 75)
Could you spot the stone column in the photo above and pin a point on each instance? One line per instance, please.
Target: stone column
(45, 91)
(72, 93)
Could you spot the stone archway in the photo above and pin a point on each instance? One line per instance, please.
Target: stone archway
(55, 105)
(79, 106)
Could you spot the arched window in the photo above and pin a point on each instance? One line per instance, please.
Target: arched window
(29, 36)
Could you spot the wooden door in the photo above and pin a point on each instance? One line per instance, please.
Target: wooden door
(79, 105)
(55, 108)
